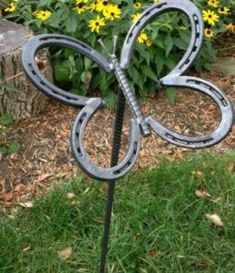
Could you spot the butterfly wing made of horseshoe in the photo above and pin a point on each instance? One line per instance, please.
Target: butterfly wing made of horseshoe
(174, 78)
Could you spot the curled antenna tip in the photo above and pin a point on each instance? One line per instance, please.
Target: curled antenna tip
(115, 38)
(100, 41)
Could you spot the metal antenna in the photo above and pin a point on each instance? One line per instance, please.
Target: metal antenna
(115, 38)
(100, 41)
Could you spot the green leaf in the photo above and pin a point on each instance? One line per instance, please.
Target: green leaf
(62, 72)
(171, 94)
(14, 147)
(148, 72)
(154, 35)
(148, 57)
(168, 45)
(54, 20)
(136, 77)
(43, 3)
(38, 23)
(93, 39)
(159, 43)
(207, 66)
(71, 23)
(160, 61)
(87, 63)
(6, 119)
(170, 63)
(110, 99)
(86, 77)
(142, 50)
(134, 74)
(3, 149)
(103, 84)
(181, 44)
(185, 36)
(79, 89)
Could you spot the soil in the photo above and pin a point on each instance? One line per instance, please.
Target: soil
(45, 140)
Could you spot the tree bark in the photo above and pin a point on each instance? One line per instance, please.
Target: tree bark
(17, 95)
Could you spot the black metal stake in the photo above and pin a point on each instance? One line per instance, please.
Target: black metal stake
(111, 184)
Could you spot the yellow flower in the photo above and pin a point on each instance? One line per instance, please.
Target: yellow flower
(137, 5)
(210, 17)
(223, 10)
(81, 7)
(11, 7)
(42, 15)
(231, 27)
(149, 43)
(213, 3)
(208, 33)
(102, 5)
(156, 1)
(142, 38)
(113, 12)
(135, 17)
(93, 6)
(96, 24)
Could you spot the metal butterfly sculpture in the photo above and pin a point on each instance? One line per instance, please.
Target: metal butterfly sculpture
(139, 124)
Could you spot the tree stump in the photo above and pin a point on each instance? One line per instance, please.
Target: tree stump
(17, 95)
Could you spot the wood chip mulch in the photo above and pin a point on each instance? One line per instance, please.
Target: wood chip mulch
(45, 149)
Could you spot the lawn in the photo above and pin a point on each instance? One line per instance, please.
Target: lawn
(159, 224)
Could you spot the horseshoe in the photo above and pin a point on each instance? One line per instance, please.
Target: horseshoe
(174, 78)
(34, 44)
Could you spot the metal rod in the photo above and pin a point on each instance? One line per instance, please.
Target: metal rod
(111, 185)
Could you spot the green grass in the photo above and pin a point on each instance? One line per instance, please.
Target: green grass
(159, 225)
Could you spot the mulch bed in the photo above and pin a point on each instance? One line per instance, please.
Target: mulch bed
(45, 149)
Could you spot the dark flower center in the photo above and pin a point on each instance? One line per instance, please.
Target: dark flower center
(81, 5)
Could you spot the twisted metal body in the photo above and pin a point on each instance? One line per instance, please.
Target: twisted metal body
(131, 99)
